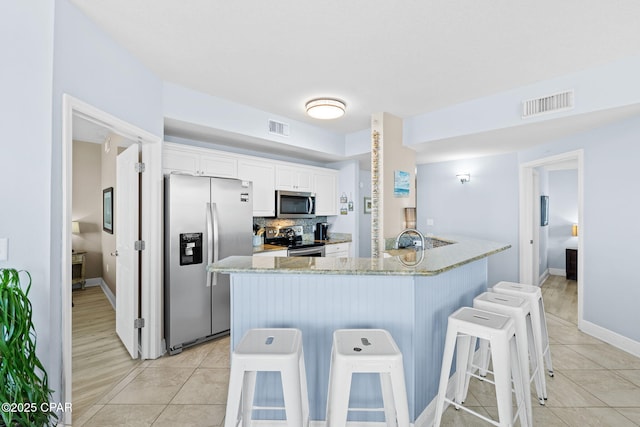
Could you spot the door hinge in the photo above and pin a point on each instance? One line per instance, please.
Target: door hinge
(139, 167)
(138, 245)
(138, 323)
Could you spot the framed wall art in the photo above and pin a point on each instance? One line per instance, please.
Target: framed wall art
(107, 210)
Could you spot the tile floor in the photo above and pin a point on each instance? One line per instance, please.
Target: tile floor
(595, 384)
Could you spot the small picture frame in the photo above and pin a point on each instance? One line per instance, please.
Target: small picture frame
(107, 210)
(367, 205)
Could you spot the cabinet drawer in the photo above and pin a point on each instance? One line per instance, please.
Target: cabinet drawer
(338, 247)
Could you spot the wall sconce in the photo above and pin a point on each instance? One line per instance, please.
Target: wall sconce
(464, 177)
(574, 230)
(75, 227)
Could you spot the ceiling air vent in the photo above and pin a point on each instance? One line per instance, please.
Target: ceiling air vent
(547, 104)
(278, 128)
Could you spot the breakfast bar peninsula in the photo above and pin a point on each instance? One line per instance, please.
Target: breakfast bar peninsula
(408, 293)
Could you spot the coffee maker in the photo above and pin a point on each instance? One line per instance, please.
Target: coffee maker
(322, 229)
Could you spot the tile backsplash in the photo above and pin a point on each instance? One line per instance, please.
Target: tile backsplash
(308, 224)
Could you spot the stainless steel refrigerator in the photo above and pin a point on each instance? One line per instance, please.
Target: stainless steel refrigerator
(205, 219)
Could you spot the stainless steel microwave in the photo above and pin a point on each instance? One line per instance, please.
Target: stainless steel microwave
(294, 204)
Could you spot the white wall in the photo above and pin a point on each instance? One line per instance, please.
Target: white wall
(485, 208)
(348, 179)
(543, 232)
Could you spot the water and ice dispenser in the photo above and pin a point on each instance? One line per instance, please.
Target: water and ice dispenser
(190, 248)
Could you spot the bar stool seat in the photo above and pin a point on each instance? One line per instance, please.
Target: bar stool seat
(268, 350)
(464, 327)
(366, 351)
(538, 317)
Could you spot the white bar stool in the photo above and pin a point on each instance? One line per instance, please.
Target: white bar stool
(464, 327)
(366, 351)
(268, 350)
(519, 310)
(538, 318)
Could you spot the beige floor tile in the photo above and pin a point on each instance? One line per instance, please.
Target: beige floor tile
(562, 392)
(564, 357)
(189, 358)
(565, 333)
(543, 416)
(608, 356)
(120, 386)
(607, 386)
(125, 415)
(631, 413)
(219, 357)
(86, 415)
(191, 416)
(153, 385)
(632, 375)
(204, 387)
(584, 417)
(455, 418)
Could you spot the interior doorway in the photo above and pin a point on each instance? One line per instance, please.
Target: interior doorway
(530, 218)
(150, 336)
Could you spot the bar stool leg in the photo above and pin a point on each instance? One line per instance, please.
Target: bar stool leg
(292, 397)
(502, 377)
(536, 369)
(248, 392)
(387, 399)
(400, 395)
(483, 361)
(303, 390)
(545, 337)
(236, 379)
(447, 358)
(520, 385)
(337, 409)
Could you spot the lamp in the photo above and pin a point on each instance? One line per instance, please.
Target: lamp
(325, 108)
(574, 230)
(75, 227)
(464, 177)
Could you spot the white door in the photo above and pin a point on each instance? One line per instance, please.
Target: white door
(126, 229)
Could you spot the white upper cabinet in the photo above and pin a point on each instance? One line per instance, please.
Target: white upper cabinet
(198, 162)
(325, 185)
(267, 175)
(293, 178)
(262, 174)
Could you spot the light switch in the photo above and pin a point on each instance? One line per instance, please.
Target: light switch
(4, 249)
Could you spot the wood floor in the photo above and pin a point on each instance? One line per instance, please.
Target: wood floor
(99, 359)
(561, 298)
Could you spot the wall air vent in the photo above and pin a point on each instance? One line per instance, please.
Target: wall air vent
(278, 128)
(547, 104)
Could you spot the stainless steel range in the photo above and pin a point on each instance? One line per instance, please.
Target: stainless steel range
(291, 238)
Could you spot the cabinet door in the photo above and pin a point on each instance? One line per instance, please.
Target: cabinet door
(176, 160)
(218, 165)
(325, 185)
(263, 177)
(293, 179)
(337, 250)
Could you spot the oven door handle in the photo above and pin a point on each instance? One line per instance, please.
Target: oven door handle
(307, 251)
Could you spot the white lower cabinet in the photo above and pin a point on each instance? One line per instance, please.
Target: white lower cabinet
(337, 250)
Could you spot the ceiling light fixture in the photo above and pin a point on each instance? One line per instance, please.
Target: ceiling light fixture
(325, 108)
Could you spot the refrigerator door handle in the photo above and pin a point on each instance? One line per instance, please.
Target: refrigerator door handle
(212, 241)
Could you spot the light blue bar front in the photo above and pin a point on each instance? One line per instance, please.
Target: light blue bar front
(414, 309)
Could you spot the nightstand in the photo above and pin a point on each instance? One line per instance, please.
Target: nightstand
(572, 263)
(77, 268)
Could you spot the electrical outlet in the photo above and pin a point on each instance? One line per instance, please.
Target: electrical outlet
(4, 249)
(107, 267)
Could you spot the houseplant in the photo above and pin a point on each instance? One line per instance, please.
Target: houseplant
(24, 388)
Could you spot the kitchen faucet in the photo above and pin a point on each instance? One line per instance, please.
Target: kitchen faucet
(415, 244)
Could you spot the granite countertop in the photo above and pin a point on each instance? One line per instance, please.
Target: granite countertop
(405, 262)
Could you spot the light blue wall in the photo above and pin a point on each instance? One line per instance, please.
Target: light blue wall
(485, 208)
(26, 32)
(365, 219)
(563, 213)
(608, 228)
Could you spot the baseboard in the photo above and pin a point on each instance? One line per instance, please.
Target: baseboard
(558, 272)
(544, 276)
(613, 338)
(94, 281)
(107, 292)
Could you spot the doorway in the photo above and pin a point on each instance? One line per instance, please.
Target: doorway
(530, 219)
(150, 336)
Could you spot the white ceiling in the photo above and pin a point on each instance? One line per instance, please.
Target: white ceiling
(404, 57)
